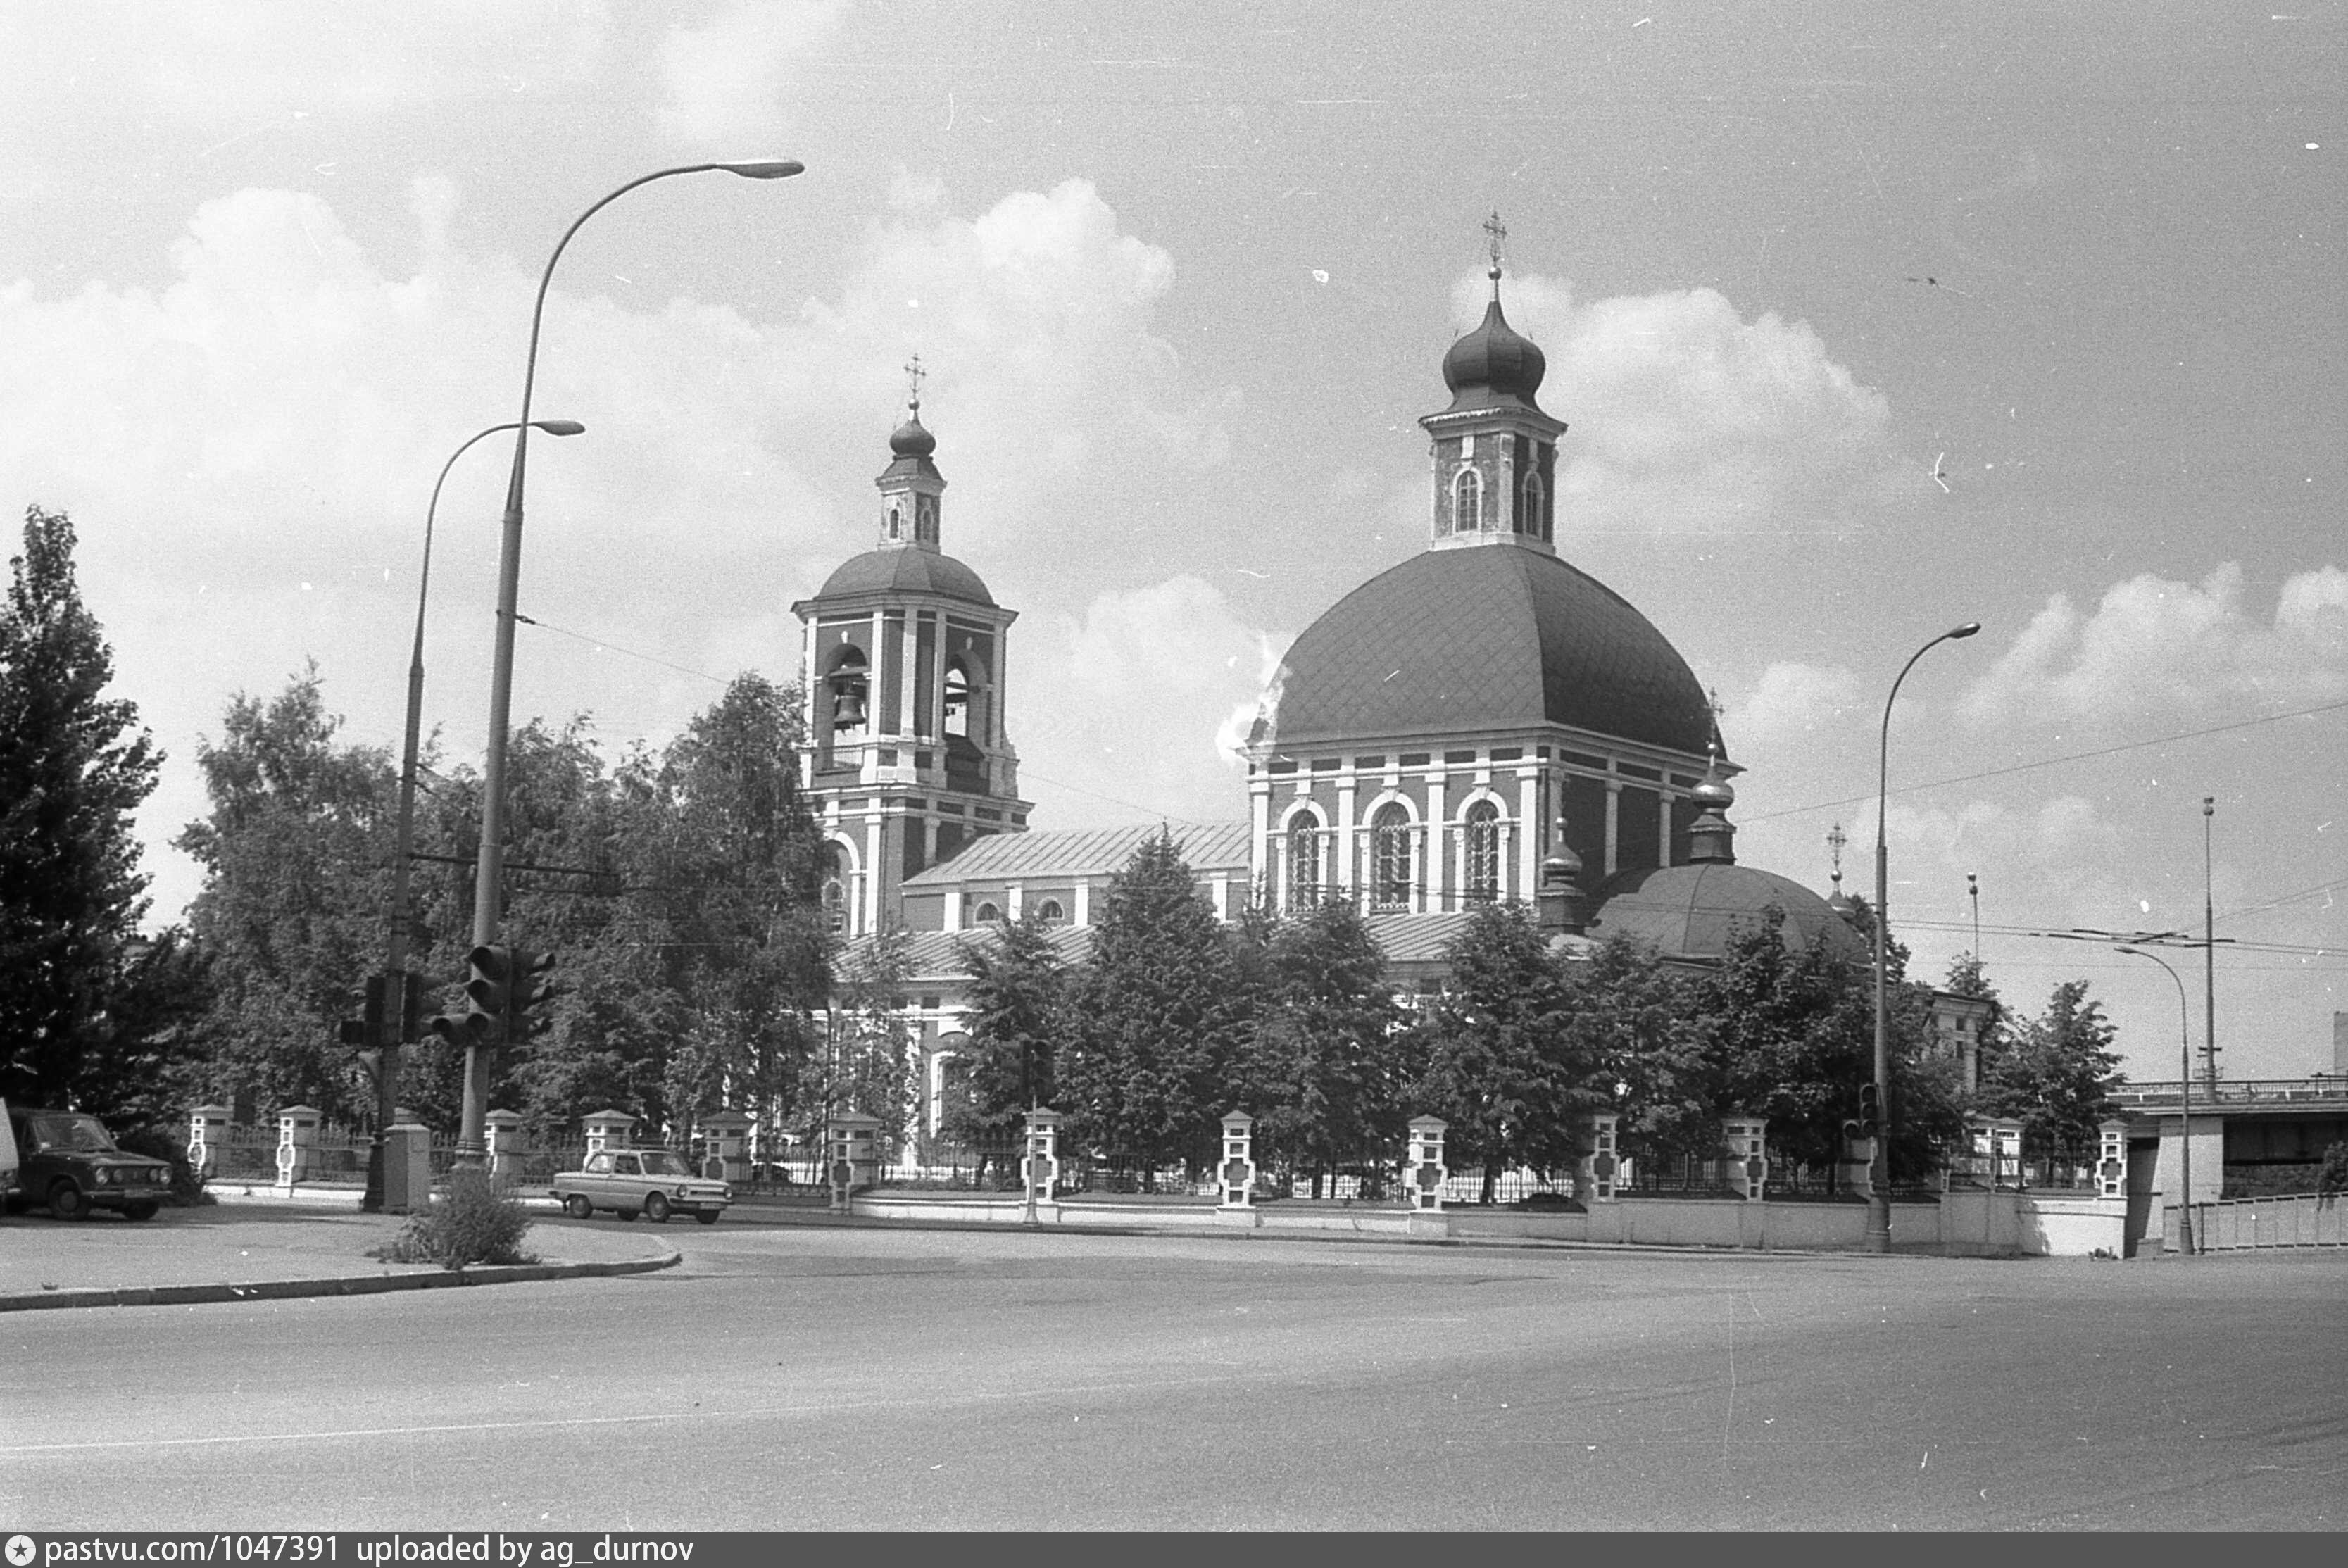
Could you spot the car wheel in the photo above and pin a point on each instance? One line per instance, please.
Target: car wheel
(657, 1208)
(578, 1207)
(139, 1211)
(707, 1216)
(67, 1203)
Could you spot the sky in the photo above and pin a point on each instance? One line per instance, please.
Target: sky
(1866, 322)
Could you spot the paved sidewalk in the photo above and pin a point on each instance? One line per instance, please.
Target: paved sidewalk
(229, 1251)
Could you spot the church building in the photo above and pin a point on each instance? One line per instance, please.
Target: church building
(1482, 722)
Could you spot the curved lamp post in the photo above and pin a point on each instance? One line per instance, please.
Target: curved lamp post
(490, 873)
(395, 947)
(2185, 1089)
(1879, 1168)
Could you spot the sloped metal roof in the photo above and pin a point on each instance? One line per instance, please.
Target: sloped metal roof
(1205, 847)
(1695, 910)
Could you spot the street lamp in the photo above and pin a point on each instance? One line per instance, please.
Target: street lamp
(490, 873)
(395, 947)
(2209, 947)
(2185, 1104)
(1879, 1166)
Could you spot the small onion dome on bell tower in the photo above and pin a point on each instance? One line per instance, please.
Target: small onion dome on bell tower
(1838, 901)
(1710, 835)
(913, 491)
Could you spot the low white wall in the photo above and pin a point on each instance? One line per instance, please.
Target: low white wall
(1963, 1222)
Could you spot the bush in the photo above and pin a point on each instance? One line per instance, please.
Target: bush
(156, 1143)
(471, 1222)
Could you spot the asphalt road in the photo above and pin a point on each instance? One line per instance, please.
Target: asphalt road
(796, 1378)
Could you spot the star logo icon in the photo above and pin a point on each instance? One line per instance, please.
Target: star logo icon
(20, 1551)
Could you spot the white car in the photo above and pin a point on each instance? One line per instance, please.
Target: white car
(654, 1182)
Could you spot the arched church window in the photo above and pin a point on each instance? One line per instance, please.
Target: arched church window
(848, 684)
(957, 698)
(1390, 857)
(987, 914)
(925, 519)
(1304, 860)
(835, 890)
(1467, 501)
(896, 524)
(1480, 846)
(1529, 520)
(1049, 913)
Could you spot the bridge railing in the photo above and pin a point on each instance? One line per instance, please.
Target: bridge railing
(2238, 1091)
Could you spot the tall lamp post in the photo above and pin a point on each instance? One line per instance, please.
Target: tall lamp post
(490, 872)
(394, 945)
(2209, 947)
(1879, 1166)
(2184, 1103)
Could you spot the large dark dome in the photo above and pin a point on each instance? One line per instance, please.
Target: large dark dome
(1479, 639)
(905, 571)
(1695, 910)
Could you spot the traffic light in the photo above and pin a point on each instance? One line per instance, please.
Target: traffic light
(367, 1029)
(1870, 1111)
(489, 991)
(411, 1008)
(531, 986)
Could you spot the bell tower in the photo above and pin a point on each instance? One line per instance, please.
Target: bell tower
(907, 758)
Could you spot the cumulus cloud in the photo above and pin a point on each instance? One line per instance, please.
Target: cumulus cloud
(2157, 646)
(248, 451)
(1171, 660)
(1792, 707)
(1687, 417)
(727, 81)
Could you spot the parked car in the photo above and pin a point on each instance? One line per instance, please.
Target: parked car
(68, 1160)
(654, 1182)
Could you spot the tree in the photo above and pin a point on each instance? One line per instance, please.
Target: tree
(1328, 1064)
(2055, 1074)
(1019, 1014)
(1160, 1014)
(74, 768)
(295, 852)
(1506, 1067)
(1795, 1039)
(870, 1061)
(1639, 1025)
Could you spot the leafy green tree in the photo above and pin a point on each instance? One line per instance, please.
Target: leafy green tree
(1794, 1030)
(2056, 1073)
(1506, 1066)
(1639, 1023)
(295, 852)
(74, 768)
(870, 1065)
(1019, 1014)
(1328, 1064)
(1161, 1014)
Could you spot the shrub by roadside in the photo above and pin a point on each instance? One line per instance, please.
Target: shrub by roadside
(470, 1222)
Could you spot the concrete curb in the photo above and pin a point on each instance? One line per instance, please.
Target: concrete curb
(351, 1285)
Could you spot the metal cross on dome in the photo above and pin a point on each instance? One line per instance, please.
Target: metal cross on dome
(1836, 840)
(914, 373)
(1497, 231)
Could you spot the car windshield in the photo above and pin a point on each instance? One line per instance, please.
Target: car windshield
(75, 1134)
(664, 1163)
